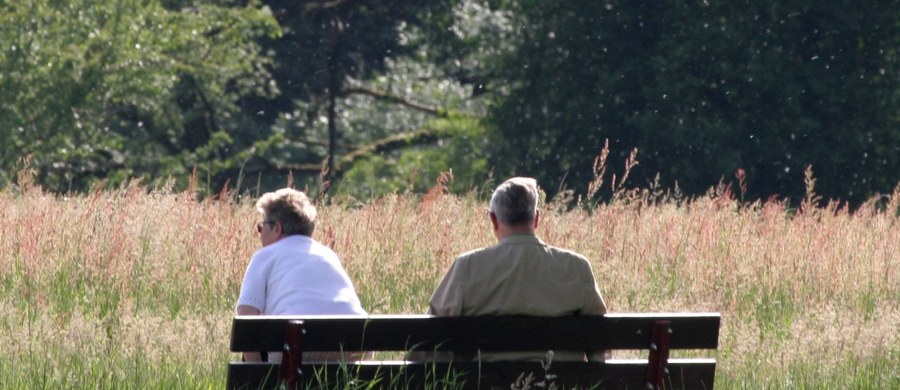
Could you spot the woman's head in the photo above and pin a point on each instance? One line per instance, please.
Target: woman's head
(290, 209)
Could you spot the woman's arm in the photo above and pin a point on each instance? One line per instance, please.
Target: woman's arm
(245, 310)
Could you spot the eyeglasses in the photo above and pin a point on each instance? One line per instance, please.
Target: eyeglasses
(259, 225)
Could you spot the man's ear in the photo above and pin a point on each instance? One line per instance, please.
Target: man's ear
(494, 221)
(537, 218)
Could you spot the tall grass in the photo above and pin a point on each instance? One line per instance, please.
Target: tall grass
(135, 288)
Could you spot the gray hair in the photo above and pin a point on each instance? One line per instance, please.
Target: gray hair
(291, 208)
(515, 201)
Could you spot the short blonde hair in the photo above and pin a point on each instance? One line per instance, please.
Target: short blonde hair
(291, 208)
(515, 201)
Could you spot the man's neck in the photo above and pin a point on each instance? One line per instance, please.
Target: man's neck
(504, 231)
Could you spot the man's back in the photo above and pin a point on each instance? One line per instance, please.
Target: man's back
(521, 275)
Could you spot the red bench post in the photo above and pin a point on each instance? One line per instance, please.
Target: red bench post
(292, 355)
(659, 354)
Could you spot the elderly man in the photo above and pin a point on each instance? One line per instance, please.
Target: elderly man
(521, 274)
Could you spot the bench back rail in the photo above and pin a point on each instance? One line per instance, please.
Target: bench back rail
(657, 333)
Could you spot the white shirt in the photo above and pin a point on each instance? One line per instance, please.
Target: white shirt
(298, 275)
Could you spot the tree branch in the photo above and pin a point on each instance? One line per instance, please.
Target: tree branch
(386, 144)
(382, 95)
(307, 167)
(390, 143)
(314, 6)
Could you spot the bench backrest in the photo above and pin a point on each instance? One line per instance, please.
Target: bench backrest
(657, 333)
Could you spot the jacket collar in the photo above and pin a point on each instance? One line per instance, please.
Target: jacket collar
(522, 238)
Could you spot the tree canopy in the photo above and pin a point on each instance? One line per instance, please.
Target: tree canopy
(705, 89)
(375, 97)
(108, 90)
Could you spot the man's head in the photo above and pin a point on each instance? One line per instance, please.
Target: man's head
(514, 205)
(285, 212)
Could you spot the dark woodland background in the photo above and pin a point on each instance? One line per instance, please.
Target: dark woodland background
(377, 97)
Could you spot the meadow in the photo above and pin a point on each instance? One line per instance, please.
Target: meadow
(135, 287)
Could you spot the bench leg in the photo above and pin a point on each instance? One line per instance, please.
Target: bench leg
(659, 355)
(289, 374)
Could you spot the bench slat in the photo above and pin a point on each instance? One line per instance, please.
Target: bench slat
(487, 333)
(614, 374)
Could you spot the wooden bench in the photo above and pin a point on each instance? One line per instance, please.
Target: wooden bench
(655, 333)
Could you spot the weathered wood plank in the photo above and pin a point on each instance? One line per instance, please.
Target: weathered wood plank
(494, 333)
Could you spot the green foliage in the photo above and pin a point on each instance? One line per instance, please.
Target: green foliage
(250, 94)
(702, 90)
(395, 104)
(417, 169)
(116, 89)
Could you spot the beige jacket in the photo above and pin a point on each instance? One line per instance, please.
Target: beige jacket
(520, 276)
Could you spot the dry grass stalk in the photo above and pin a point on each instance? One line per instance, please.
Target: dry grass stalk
(155, 273)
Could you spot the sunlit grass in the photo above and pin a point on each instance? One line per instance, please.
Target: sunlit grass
(134, 288)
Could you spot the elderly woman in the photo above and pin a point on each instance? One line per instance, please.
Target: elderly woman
(292, 273)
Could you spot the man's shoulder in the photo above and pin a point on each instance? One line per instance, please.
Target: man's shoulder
(563, 252)
(476, 253)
